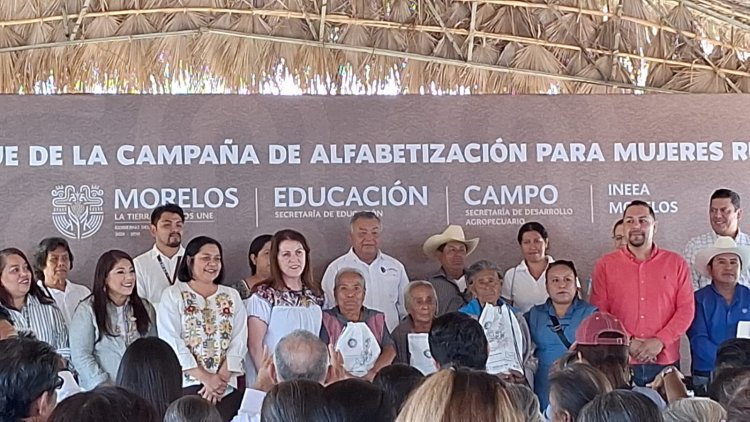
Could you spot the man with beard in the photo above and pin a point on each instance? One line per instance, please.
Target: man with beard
(450, 248)
(649, 289)
(724, 214)
(156, 269)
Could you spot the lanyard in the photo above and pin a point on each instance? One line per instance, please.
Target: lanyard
(172, 279)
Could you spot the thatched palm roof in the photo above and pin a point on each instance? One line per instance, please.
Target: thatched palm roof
(488, 46)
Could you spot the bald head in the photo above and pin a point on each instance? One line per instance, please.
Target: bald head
(301, 355)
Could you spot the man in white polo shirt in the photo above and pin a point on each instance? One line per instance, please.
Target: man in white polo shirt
(385, 276)
(156, 269)
(724, 213)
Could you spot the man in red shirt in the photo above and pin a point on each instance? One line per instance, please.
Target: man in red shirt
(650, 290)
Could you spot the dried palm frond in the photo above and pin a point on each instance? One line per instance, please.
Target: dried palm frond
(514, 21)
(537, 58)
(9, 80)
(698, 81)
(605, 68)
(659, 75)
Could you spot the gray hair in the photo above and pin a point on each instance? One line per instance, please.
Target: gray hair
(363, 215)
(349, 270)
(413, 285)
(191, 408)
(301, 355)
(526, 401)
(698, 409)
(480, 266)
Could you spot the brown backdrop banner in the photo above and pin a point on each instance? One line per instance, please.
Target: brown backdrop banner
(92, 169)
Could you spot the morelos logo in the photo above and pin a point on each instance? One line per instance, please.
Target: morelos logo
(78, 214)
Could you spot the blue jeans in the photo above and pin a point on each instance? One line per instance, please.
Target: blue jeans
(644, 374)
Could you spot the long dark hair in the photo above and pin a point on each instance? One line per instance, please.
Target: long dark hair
(277, 278)
(255, 247)
(34, 288)
(151, 369)
(106, 262)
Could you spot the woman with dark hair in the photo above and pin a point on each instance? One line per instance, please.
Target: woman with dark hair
(109, 320)
(295, 401)
(30, 307)
(356, 400)
(620, 406)
(398, 381)
(206, 325)
(290, 300)
(107, 403)
(53, 260)
(574, 387)
(150, 368)
(260, 265)
(525, 284)
(553, 324)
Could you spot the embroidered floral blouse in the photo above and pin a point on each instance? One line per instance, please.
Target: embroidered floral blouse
(204, 332)
(284, 311)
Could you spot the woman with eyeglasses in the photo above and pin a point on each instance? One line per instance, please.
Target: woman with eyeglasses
(553, 324)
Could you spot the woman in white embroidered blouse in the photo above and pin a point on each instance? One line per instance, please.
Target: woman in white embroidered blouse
(206, 325)
(108, 321)
(30, 307)
(291, 299)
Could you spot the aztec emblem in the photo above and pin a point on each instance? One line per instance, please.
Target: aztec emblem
(78, 214)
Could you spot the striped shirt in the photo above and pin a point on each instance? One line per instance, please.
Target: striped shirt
(45, 321)
(707, 240)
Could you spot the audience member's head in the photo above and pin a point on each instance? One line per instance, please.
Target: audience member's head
(301, 355)
(573, 388)
(192, 409)
(7, 328)
(698, 409)
(398, 381)
(526, 401)
(738, 408)
(723, 387)
(150, 368)
(460, 395)
(355, 400)
(733, 353)
(28, 379)
(620, 406)
(106, 403)
(458, 340)
(603, 342)
(295, 401)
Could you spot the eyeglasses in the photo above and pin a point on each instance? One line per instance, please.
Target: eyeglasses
(59, 381)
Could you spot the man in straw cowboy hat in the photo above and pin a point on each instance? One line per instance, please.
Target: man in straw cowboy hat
(720, 306)
(450, 248)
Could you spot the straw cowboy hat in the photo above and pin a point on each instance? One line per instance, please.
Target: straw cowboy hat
(452, 233)
(724, 244)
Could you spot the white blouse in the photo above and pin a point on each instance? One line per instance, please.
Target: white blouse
(204, 332)
(522, 289)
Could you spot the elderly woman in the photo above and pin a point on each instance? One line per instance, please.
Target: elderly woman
(421, 303)
(553, 324)
(485, 284)
(340, 331)
(53, 260)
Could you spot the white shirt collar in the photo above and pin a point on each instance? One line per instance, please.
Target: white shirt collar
(352, 254)
(156, 252)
